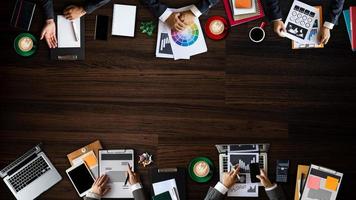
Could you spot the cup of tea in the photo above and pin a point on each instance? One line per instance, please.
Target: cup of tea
(257, 34)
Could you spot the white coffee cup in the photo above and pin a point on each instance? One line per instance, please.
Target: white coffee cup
(257, 34)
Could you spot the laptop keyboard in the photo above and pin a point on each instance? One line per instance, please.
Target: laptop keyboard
(29, 173)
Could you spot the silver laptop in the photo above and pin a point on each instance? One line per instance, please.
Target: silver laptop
(30, 175)
(224, 149)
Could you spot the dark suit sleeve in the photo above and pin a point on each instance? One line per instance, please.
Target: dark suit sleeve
(276, 194)
(273, 11)
(139, 194)
(214, 194)
(205, 5)
(91, 5)
(155, 6)
(47, 6)
(335, 9)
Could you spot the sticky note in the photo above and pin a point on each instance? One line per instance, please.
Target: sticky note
(331, 183)
(243, 3)
(314, 182)
(90, 160)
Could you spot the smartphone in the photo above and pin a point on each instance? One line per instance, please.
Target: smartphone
(101, 27)
(254, 171)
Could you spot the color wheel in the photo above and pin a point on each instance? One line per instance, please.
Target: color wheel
(186, 37)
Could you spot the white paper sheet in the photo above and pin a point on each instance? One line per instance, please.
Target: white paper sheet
(65, 32)
(300, 21)
(124, 19)
(164, 186)
(196, 46)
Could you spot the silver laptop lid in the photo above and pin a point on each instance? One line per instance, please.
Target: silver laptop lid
(22, 160)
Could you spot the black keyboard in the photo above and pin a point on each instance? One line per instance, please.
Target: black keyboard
(29, 173)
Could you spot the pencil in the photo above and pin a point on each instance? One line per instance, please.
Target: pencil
(127, 178)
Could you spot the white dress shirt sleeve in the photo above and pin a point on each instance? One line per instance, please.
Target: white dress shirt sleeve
(329, 25)
(271, 188)
(165, 15)
(195, 11)
(221, 188)
(136, 186)
(93, 195)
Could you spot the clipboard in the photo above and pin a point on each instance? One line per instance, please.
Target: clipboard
(302, 173)
(70, 53)
(163, 174)
(94, 146)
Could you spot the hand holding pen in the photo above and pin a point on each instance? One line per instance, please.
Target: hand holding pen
(132, 177)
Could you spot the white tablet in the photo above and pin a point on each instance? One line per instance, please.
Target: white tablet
(81, 178)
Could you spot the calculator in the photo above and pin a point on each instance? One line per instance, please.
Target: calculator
(282, 171)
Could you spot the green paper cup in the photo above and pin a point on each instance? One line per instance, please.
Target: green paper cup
(201, 169)
(25, 44)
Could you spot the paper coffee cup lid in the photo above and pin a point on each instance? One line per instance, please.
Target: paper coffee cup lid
(25, 44)
(201, 169)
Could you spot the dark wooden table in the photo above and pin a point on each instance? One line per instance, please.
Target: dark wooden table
(302, 102)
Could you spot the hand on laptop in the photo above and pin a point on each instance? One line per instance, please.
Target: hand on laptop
(324, 35)
(264, 179)
(175, 23)
(99, 187)
(49, 33)
(73, 12)
(133, 177)
(230, 178)
(278, 27)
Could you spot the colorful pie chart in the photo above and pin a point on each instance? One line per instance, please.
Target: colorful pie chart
(187, 37)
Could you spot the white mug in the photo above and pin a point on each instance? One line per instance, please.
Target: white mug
(257, 34)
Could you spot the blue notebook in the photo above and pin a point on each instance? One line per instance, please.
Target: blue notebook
(347, 22)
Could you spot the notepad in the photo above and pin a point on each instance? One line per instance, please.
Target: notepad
(123, 22)
(66, 35)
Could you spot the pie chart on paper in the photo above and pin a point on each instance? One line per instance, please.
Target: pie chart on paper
(187, 37)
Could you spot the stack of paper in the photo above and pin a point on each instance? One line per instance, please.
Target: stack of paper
(180, 44)
(239, 12)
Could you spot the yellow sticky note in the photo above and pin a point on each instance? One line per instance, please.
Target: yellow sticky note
(331, 183)
(90, 160)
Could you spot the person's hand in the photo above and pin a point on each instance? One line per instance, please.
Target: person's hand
(324, 35)
(230, 178)
(99, 187)
(133, 177)
(264, 179)
(49, 33)
(175, 23)
(73, 12)
(187, 17)
(278, 27)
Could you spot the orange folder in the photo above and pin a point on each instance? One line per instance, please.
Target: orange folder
(243, 3)
(95, 146)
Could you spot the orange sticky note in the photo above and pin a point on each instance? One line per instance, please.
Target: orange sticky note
(331, 183)
(90, 160)
(243, 3)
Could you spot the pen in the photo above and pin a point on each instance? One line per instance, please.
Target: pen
(75, 31)
(127, 178)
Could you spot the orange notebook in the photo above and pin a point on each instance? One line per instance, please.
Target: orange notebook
(243, 3)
